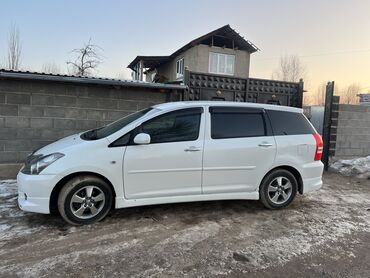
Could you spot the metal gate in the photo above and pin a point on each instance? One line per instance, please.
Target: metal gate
(202, 86)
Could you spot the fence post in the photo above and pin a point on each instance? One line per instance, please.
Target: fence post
(185, 95)
(300, 93)
(327, 123)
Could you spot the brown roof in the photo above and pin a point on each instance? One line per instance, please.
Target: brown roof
(225, 31)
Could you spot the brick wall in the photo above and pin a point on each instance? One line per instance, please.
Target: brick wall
(36, 113)
(353, 132)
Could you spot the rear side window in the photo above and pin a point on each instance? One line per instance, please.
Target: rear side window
(236, 123)
(289, 123)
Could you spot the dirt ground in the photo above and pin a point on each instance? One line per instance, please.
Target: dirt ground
(322, 234)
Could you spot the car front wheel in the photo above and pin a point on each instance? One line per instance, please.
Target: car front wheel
(85, 200)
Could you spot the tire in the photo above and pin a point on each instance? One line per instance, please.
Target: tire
(85, 200)
(278, 189)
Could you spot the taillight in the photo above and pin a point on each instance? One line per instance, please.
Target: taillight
(319, 146)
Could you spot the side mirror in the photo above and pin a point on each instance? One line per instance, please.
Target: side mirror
(142, 139)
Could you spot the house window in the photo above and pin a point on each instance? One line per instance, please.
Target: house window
(180, 68)
(221, 63)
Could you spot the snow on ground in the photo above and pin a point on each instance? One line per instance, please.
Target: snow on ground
(356, 167)
(196, 239)
(9, 210)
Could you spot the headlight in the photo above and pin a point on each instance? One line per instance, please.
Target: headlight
(40, 164)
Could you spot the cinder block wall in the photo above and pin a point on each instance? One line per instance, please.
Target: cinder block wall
(353, 133)
(36, 113)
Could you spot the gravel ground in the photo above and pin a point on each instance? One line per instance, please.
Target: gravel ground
(322, 234)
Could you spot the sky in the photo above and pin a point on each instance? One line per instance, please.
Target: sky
(331, 37)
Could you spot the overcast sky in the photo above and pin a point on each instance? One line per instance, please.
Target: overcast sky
(332, 37)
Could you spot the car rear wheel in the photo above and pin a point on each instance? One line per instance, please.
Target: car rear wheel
(85, 200)
(278, 189)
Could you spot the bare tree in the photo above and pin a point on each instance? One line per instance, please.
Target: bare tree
(88, 58)
(348, 95)
(14, 48)
(290, 68)
(51, 67)
(320, 94)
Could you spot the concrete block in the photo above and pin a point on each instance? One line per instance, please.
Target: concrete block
(7, 157)
(107, 104)
(354, 145)
(58, 112)
(127, 105)
(8, 110)
(13, 98)
(20, 122)
(100, 92)
(2, 97)
(75, 113)
(85, 124)
(64, 124)
(9, 170)
(87, 103)
(18, 145)
(65, 101)
(353, 108)
(8, 133)
(343, 144)
(30, 111)
(42, 99)
(41, 122)
(96, 115)
(50, 134)
(28, 133)
(353, 152)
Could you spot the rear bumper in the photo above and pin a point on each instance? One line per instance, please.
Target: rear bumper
(34, 192)
(312, 184)
(312, 176)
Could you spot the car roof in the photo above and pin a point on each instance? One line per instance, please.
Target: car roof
(189, 104)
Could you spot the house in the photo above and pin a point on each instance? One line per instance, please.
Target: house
(220, 52)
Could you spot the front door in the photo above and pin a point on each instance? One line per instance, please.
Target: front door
(171, 165)
(238, 150)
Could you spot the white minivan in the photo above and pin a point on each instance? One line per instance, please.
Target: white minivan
(176, 152)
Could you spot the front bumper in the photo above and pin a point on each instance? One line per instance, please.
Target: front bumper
(34, 192)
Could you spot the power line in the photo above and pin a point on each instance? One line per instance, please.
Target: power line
(320, 54)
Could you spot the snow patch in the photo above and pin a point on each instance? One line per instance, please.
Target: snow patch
(357, 167)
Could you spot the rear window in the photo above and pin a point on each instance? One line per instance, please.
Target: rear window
(236, 123)
(289, 123)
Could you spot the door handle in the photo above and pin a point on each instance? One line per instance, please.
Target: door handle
(192, 149)
(265, 145)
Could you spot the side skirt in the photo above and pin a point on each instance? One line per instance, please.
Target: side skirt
(124, 203)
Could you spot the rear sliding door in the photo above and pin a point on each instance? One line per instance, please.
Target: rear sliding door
(238, 150)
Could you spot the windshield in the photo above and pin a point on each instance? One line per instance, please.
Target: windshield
(107, 130)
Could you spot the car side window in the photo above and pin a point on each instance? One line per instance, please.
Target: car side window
(289, 123)
(122, 141)
(236, 123)
(180, 125)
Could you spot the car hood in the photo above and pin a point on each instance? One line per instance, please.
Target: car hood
(60, 145)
